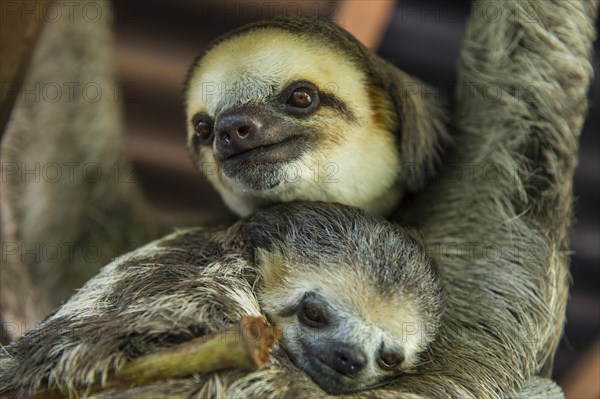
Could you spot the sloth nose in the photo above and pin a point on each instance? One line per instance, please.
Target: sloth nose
(346, 360)
(236, 134)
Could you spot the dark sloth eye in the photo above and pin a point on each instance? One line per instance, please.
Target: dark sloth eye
(301, 97)
(311, 313)
(203, 132)
(389, 360)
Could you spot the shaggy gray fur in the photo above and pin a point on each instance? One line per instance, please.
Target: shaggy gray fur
(501, 238)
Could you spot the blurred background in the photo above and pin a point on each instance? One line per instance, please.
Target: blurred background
(156, 42)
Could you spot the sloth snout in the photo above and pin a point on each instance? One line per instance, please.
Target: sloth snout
(236, 134)
(346, 360)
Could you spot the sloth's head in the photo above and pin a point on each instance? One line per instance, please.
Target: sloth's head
(356, 297)
(297, 109)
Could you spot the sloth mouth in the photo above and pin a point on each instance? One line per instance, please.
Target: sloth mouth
(266, 167)
(322, 374)
(329, 379)
(285, 150)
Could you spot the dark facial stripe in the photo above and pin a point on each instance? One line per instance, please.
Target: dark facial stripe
(339, 106)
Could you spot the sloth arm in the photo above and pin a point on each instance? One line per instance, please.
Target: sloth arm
(501, 231)
(518, 150)
(162, 294)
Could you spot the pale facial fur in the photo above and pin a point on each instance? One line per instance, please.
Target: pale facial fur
(352, 160)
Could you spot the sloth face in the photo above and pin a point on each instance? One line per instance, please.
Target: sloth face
(340, 350)
(340, 329)
(278, 117)
(357, 298)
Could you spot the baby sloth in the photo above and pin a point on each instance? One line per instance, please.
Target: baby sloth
(356, 297)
